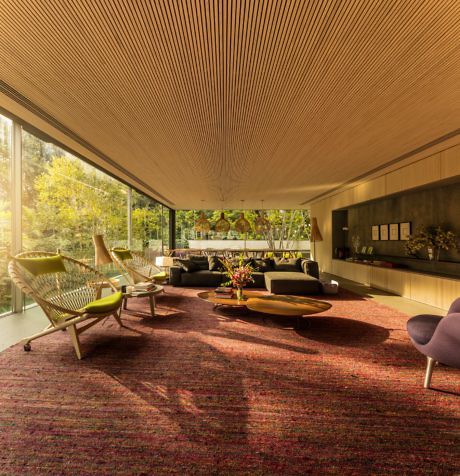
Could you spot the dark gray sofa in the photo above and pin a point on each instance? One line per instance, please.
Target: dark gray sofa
(279, 275)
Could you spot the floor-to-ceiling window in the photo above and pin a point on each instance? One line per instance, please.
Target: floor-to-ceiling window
(149, 229)
(62, 201)
(5, 211)
(65, 201)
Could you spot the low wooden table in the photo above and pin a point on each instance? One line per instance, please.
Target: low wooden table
(287, 305)
(218, 300)
(151, 293)
(278, 304)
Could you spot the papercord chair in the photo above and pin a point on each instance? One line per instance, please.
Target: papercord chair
(67, 290)
(137, 267)
(438, 338)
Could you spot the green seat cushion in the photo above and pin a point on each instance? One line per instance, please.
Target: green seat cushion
(160, 276)
(45, 265)
(105, 304)
(122, 253)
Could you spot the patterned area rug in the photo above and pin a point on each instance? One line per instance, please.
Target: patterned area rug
(197, 390)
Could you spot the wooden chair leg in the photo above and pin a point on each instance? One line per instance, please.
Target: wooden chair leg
(152, 305)
(75, 340)
(429, 372)
(116, 315)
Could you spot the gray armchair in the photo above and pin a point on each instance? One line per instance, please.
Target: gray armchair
(438, 338)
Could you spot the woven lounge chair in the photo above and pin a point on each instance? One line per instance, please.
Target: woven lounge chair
(67, 290)
(137, 267)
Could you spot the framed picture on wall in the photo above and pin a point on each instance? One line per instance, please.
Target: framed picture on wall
(375, 233)
(394, 231)
(384, 232)
(404, 230)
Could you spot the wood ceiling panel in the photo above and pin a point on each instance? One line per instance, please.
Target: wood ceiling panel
(235, 100)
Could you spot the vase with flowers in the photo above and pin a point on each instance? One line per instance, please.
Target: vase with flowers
(434, 239)
(239, 275)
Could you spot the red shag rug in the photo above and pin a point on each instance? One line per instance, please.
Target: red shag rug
(199, 391)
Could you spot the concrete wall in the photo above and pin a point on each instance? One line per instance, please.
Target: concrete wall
(434, 206)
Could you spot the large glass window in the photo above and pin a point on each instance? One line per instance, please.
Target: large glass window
(148, 225)
(66, 201)
(5, 212)
(287, 227)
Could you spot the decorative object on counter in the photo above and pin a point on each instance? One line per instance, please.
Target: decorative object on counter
(239, 275)
(394, 231)
(404, 230)
(355, 241)
(375, 233)
(364, 250)
(384, 232)
(434, 239)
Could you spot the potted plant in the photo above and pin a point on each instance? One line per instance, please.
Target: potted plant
(433, 239)
(239, 275)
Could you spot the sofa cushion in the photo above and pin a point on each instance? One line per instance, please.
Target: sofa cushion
(187, 265)
(287, 264)
(263, 264)
(310, 267)
(203, 278)
(201, 262)
(289, 282)
(259, 280)
(215, 263)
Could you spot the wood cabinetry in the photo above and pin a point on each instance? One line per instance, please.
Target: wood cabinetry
(435, 291)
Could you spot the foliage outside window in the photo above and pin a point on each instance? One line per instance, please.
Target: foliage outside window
(5, 212)
(149, 225)
(288, 225)
(66, 201)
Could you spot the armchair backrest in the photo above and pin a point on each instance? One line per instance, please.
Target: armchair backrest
(61, 285)
(454, 307)
(134, 265)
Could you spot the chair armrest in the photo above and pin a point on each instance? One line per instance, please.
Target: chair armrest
(175, 275)
(310, 267)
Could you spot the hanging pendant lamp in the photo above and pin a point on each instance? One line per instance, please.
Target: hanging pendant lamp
(262, 225)
(222, 224)
(202, 224)
(242, 225)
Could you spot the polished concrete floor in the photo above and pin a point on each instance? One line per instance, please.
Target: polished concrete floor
(15, 327)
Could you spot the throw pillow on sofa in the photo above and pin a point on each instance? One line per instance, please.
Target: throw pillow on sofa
(263, 265)
(287, 264)
(187, 265)
(215, 263)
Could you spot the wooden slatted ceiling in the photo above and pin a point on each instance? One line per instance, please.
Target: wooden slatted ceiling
(274, 100)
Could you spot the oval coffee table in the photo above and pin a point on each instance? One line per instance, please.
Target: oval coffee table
(287, 305)
(218, 300)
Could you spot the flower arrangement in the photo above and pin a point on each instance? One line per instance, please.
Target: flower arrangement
(239, 275)
(433, 239)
